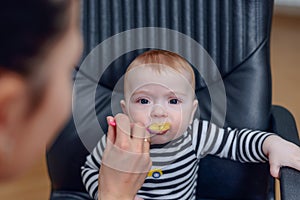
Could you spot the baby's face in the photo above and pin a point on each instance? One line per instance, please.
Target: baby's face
(162, 101)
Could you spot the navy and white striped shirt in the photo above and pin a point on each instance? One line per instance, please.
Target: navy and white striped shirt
(178, 160)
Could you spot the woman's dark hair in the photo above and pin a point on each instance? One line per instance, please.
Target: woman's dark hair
(26, 28)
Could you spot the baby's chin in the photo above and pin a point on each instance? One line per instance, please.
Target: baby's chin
(158, 139)
(163, 139)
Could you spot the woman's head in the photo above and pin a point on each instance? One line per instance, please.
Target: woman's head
(28, 28)
(40, 45)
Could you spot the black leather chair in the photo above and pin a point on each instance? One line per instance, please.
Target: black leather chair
(236, 34)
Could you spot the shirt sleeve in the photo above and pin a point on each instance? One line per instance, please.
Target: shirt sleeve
(243, 145)
(90, 170)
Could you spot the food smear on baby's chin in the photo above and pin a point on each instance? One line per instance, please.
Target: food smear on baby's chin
(159, 128)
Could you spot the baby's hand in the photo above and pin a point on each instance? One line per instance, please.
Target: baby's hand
(281, 153)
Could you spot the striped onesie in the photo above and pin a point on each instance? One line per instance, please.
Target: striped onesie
(175, 165)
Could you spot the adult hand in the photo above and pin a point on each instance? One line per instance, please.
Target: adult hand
(126, 160)
(281, 153)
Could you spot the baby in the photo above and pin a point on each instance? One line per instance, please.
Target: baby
(159, 94)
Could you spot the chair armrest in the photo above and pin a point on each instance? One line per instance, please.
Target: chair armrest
(284, 125)
(289, 184)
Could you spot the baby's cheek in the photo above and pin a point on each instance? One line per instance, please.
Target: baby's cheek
(175, 128)
(138, 117)
(181, 126)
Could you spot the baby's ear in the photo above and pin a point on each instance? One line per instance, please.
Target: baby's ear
(195, 105)
(123, 106)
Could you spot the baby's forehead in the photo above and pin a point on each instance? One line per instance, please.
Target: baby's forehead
(153, 69)
(159, 67)
(145, 75)
(157, 89)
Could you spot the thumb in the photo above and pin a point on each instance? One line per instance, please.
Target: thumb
(111, 132)
(274, 170)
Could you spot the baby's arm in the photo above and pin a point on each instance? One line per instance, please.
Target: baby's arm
(90, 170)
(281, 153)
(248, 146)
(241, 145)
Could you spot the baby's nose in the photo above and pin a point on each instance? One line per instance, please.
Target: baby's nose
(158, 111)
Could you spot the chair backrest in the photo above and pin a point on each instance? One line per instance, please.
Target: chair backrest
(236, 34)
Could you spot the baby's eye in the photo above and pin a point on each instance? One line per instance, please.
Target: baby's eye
(174, 101)
(143, 101)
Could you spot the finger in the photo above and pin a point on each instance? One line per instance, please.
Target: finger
(141, 135)
(274, 170)
(123, 130)
(111, 133)
(138, 131)
(137, 138)
(147, 143)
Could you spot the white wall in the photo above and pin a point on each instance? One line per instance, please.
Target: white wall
(288, 2)
(288, 7)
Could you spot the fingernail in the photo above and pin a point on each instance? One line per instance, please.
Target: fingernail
(111, 122)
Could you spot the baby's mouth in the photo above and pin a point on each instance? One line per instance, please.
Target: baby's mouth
(159, 128)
